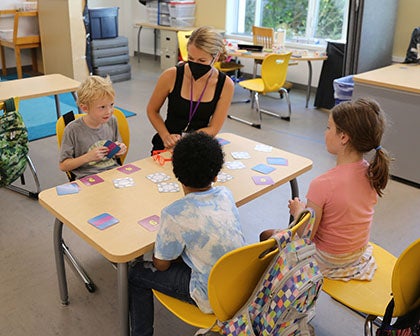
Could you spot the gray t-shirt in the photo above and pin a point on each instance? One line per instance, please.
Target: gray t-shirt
(78, 139)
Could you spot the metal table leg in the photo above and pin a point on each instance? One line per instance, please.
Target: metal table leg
(138, 44)
(308, 88)
(295, 193)
(122, 270)
(59, 262)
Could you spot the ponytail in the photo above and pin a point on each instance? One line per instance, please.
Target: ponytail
(378, 172)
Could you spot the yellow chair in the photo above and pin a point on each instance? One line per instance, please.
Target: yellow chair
(263, 36)
(397, 278)
(231, 282)
(123, 129)
(273, 76)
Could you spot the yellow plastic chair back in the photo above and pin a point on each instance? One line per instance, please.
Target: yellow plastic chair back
(263, 36)
(232, 280)
(406, 280)
(123, 129)
(183, 37)
(274, 71)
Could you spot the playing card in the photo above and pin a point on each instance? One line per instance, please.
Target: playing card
(266, 180)
(150, 223)
(113, 148)
(128, 168)
(224, 177)
(240, 155)
(68, 188)
(277, 161)
(123, 182)
(263, 148)
(234, 165)
(103, 221)
(223, 142)
(262, 168)
(91, 180)
(166, 187)
(158, 177)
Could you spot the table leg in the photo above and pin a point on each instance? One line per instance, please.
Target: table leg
(154, 42)
(57, 106)
(122, 281)
(59, 262)
(308, 88)
(138, 44)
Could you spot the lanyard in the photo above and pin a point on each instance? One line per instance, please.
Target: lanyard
(194, 110)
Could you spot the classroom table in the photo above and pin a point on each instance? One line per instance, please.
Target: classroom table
(39, 86)
(34, 87)
(128, 240)
(308, 57)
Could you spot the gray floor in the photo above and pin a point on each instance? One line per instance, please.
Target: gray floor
(29, 292)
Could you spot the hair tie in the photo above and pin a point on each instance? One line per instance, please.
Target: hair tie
(378, 148)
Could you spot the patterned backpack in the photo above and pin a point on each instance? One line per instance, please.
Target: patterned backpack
(284, 299)
(13, 143)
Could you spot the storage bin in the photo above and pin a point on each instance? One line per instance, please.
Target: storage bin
(182, 22)
(152, 16)
(103, 22)
(343, 89)
(181, 9)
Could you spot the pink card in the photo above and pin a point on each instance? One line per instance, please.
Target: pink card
(150, 223)
(128, 168)
(267, 180)
(91, 180)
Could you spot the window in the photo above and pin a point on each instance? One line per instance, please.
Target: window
(305, 21)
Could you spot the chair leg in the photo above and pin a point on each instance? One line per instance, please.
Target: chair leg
(34, 60)
(284, 91)
(3, 61)
(18, 62)
(368, 327)
(246, 121)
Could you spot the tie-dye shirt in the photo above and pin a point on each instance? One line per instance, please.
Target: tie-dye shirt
(201, 227)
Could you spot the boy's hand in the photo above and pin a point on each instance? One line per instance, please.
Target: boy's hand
(97, 154)
(123, 148)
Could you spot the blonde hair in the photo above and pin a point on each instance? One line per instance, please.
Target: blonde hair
(93, 89)
(208, 40)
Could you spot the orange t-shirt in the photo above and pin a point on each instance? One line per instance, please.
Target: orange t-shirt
(347, 200)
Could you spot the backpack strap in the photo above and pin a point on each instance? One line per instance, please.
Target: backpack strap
(9, 105)
(307, 232)
(68, 117)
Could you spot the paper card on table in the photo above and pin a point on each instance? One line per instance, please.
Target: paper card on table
(277, 161)
(234, 165)
(168, 187)
(68, 188)
(103, 221)
(158, 177)
(113, 148)
(224, 177)
(150, 223)
(240, 155)
(123, 182)
(91, 180)
(128, 168)
(263, 148)
(262, 168)
(266, 180)
(223, 142)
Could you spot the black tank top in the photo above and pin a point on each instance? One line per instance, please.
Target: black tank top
(179, 109)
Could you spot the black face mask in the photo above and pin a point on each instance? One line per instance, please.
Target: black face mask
(198, 70)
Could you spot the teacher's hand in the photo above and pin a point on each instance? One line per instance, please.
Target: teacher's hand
(170, 140)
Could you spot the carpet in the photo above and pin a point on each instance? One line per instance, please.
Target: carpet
(40, 116)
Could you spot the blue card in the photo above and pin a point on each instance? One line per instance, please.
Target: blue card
(113, 148)
(262, 168)
(277, 161)
(103, 221)
(223, 141)
(68, 188)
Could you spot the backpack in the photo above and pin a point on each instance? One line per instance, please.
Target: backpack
(411, 55)
(284, 299)
(13, 143)
(407, 325)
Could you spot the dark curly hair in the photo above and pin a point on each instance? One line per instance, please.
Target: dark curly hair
(197, 159)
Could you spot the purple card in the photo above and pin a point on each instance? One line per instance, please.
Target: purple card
(262, 168)
(277, 161)
(91, 180)
(150, 223)
(103, 221)
(113, 148)
(128, 169)
(223, 141)
(266, 180)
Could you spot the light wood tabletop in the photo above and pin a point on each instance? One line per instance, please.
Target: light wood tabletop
(38, 86)
(403, 77)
